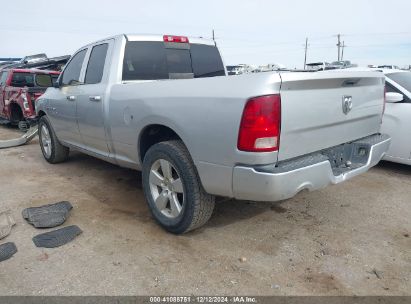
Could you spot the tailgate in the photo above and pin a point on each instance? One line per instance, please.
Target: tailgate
(313, 114)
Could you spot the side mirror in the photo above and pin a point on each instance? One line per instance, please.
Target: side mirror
(393, 97)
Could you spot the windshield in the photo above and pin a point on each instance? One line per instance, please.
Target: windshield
(151, 60)
(402, 78)
(21, 79)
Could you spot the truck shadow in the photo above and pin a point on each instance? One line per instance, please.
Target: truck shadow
(394, 168)
(121, 190)
(232, 211)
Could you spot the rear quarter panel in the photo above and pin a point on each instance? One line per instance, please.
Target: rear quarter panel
(205, 113)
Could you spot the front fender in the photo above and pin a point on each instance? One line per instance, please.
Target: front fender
(41, 106)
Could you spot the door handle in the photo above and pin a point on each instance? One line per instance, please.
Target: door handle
(94, 98)
(71, 98)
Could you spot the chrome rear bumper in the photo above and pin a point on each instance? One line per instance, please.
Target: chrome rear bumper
(312, 172)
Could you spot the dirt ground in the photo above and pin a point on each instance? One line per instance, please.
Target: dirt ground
(349, 239)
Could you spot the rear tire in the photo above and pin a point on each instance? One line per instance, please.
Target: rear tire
(53, 151)
(173, 189)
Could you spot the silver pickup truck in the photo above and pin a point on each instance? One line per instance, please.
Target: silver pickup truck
(164, 105)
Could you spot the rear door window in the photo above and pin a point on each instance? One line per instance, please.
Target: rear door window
(144, 61)
(95, 67)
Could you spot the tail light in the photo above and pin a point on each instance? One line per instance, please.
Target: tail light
(260, 124)
(177, 39)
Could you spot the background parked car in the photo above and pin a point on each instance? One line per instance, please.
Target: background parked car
(396, 121)
(19, 90)
(342, 64)
(394, 67)
(239, 69)
(397, 117)
(317, 66)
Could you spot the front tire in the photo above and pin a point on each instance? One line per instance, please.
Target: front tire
(53, 151)
(173, 189)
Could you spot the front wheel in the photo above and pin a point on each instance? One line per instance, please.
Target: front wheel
(173, 189)
(53, 151)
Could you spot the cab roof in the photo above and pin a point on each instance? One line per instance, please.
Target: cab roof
(150, 37)
(154, 37)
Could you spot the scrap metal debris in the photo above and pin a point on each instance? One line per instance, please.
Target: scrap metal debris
(57, 237)
(48, 216)
(7, 250)
(27, 137)
(38, 61)
(6, 223)
(377, 273)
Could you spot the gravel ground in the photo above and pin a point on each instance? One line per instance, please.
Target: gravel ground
(349, 239)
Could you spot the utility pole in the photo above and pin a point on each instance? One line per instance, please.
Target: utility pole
(342, 50)
(339, 45)
(305, 53)
(213, 36)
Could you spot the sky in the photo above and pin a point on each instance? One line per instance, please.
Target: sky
(254, 32)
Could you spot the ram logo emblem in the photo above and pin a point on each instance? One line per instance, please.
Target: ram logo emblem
(346, 104)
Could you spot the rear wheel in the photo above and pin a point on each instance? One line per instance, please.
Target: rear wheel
(173, 189)
(53, 151)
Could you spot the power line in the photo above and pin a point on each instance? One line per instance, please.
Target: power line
(379, 34)
(298, 49)
(305, 52)
(383, 45)
(253, 43)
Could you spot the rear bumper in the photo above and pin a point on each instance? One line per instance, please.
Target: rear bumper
(312, 172)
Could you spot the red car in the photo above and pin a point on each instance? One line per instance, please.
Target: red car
(19, 90)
